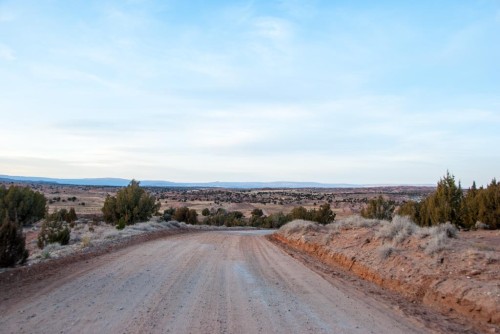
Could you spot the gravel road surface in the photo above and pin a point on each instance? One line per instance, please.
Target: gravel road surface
(210, 282)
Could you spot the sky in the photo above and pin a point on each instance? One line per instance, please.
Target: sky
(365, 92)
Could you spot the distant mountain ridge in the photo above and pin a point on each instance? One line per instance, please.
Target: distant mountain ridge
(118, 182)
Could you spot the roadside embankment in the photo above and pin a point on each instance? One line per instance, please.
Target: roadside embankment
(439, 266)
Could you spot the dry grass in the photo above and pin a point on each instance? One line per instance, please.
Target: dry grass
(298, 227)
(400, 229)
(385, 251)
(351, 222)
(86, 241)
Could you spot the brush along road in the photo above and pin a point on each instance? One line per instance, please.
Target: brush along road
(210, 282)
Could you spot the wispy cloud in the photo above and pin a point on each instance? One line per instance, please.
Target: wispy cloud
(299, 90)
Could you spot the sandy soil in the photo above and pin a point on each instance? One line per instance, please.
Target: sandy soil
(206, 282)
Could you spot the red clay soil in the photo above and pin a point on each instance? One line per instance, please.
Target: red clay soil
(463, 279)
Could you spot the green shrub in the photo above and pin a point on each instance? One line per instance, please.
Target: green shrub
(324, 215)
(22, 205)
(275, 220)
(379, 208)
(54, 229)
(186, 215)
(222, 217)
(132, 203)
(168, 214)
(63, 215)
(121, 224)
(71, 216)
(12, 244)
(410, 209)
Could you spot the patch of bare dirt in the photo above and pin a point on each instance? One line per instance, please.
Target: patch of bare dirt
(458, 276)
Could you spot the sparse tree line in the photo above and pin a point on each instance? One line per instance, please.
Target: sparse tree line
(477, 208)
(21, 206)
(221, 217)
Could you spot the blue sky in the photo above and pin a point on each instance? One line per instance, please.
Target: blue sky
(330, 91)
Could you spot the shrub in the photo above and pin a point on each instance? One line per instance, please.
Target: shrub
(410, 209)
(276, 220)
(205, 212)
(385, 251)
(398, 230)
(186, 215)
(222, 217)
(52, 231)
(438, 237)
(12, 244)
(436, 244)
(71, 216)
(323, 216)
(298, 227)
(168, 213)
(63, 215)
(121, 224)
(480, 226)
(353, 221)
(379, 208)
(447, 229)
(86, 241)
(22, 205)
(132, 204)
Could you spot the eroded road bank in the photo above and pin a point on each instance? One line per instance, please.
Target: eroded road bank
(210, 282)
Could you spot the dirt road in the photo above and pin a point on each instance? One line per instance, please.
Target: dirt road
(212, 282)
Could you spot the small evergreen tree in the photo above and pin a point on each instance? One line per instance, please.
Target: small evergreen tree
(324, 215)
(181, 214)
(192, 217)
(444, 205)
(22, 205)
(299, 212)
(489, 205)
(132, 204)
(71, 216)
(469, 209)
(12, 244)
